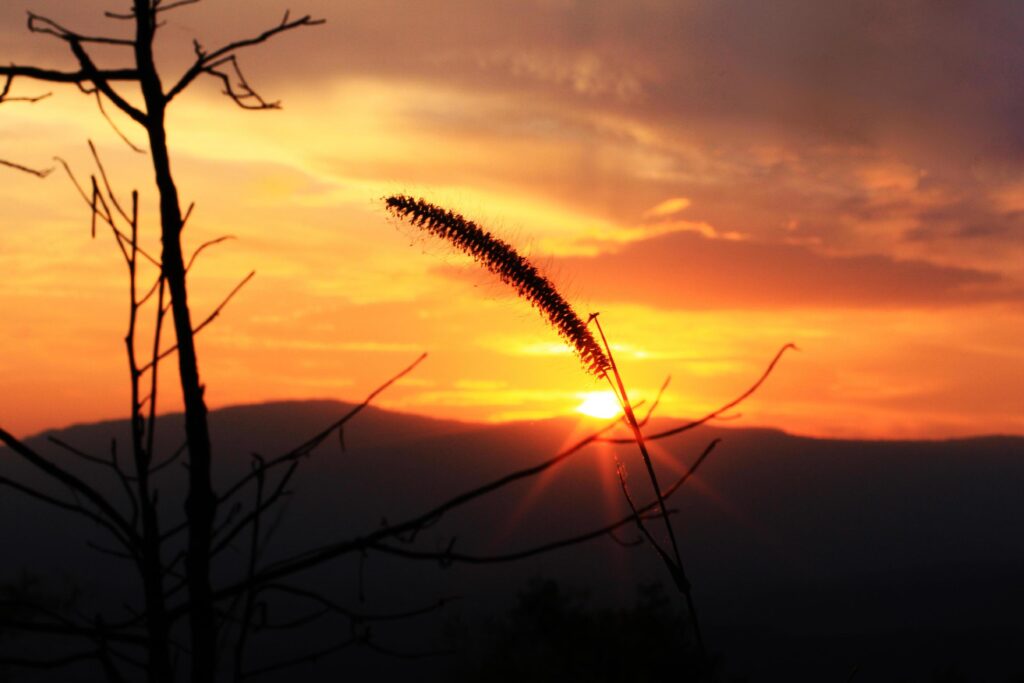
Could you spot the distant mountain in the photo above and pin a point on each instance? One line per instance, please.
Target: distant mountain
(808, 556)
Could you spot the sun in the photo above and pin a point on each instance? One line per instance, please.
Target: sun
(600, 404)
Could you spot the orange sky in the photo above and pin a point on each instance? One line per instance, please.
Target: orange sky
(717, 178)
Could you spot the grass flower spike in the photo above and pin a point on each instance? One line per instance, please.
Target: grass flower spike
(503, 260)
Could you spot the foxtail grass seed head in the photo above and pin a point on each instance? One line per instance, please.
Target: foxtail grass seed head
(500, 258)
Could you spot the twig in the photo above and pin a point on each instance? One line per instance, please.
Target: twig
(675, 563)
(718, 411)
(206, 321)
(39, 173)
(449, 555)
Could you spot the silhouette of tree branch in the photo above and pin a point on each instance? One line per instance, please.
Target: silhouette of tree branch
(209, 62)
(307, 446)
(40, 24)
(249, 596)
(111, 516)
(211, 528)
(121, 134)
(718, 411)
(239, 90)
(647, 511)
(79, 509)
(204, 246)
(5, 92)
(99, 207)
(289, 566)
(39, 173)
(206, 321)
(71, 77)
(63, 626)
(158, 8)
(111, 464)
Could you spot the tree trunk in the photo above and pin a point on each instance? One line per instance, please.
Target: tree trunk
(201, 502)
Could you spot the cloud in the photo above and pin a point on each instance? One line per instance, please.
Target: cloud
(669, 207)
(684, 270)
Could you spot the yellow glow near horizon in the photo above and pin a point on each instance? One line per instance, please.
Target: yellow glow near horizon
(600, 404)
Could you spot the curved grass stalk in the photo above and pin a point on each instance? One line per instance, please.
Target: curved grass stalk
(501, 259)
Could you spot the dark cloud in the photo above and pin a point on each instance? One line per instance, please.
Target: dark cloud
(764, 114)
(928, 74)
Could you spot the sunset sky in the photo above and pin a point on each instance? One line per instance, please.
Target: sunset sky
(717, 178)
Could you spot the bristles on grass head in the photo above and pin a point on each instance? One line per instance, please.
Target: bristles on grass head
(503, 260)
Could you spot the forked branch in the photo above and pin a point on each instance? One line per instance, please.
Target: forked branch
(210, 62)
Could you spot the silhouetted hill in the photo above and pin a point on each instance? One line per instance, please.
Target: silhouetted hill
(808, 556)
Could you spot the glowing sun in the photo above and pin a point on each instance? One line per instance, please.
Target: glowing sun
(600, 404)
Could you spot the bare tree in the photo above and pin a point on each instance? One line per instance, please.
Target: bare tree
(140, 70)
(174, 558)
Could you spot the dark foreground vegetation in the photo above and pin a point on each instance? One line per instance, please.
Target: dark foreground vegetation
(901, 560)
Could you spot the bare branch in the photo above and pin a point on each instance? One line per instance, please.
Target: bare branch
(262, 505)
(6, 90)
(239, 90)
(81, 76)
(39, 173)
(99, 103)
(71, 507)
(316, 556)
(115, 518)
(103, 84)
(45, 25)
(209, 319)
(205, 61)
(204, 246)
(249, 596)
(306, 447)
(158, 8)
(92, 204)
(647, 511)
(719, 411)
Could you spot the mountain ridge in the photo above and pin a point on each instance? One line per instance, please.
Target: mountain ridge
(791, 542)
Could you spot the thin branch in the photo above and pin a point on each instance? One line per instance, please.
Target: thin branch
(674, 564)
(307, 446)
(239, 90)
(209, 319)
(204, 246)
(157, 9)
(39, 173)
(131, 145)
(70, 507)
(92, 204)
(74, 483)
(81, 76)
(103, 84)
(130, 219)
(45, 25)
(6, 91)
(249, 596)
(620, 472)
(719, 411)
(449, 555)
(262, 506)
(289, 566)
(205, 60)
